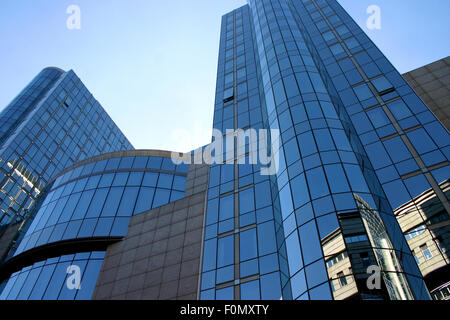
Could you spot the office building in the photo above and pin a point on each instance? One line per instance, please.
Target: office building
(54, 122)
(350, 145)
(355, 140)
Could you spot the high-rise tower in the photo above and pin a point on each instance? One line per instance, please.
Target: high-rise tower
(319, 145)
(54, 122)
(356, 143)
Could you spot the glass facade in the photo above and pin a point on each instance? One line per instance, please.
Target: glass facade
(93, 200)
(54, 122)
(356, 143)
(47, 279)
(360, 156)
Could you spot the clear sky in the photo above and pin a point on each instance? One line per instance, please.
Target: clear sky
(152, 64)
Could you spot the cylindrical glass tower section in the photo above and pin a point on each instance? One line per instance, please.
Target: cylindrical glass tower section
(85, 208)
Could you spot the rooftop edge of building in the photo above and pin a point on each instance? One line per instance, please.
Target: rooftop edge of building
(121, 154)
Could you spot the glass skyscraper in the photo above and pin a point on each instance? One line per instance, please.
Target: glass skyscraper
(354, 149)
(356, 143)
(54, 122)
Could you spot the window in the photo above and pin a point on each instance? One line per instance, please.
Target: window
(165, 181)
(336, 259)
(342, 280)
(145, 200)
(382, 85)
(299, 190)
(399, 109)
(278, 92)
(228, 95)
(357, 238)
(246, 201)
(336, 177)
(225, 251)
(328, 36)
(304, 83)
(248, 246)
(319, 188)
(291, 86)
(415, 257)
(162, 197)
(154, 163)
(225, 293)
(415, 232)
(397, 149)
(135, 179)
(351, 43)
(337, 49)
(120, 179)
(226, 208)
(225, 274)
(426, 252)
(150, 179)
(310, 242)
(250, 290)
(112, 202)
(378, 117)
(421, 141)
(97, 203)
(365, 259)
(127, 204)
(363, 92)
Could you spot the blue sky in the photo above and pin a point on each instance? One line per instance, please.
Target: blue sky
(152, 64)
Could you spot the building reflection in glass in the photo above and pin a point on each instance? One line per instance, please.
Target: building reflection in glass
(362, 242)
(426, 226)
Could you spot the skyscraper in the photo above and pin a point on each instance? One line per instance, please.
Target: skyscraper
(318, 142)
(356, 143)
(54, 122)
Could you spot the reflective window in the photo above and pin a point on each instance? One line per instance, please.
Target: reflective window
(225, 251)
(46, 280)
(248, 245)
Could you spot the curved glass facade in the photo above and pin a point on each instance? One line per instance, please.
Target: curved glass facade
(93, 199)
(358, 152)
(47, 279)
(356, 143)
(96, 199)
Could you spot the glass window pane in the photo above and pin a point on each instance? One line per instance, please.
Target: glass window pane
(97, 203)
(112, 202)
(225, 251)
(165, 181)
(226, 208)
(246, 201)
(128, 200)
(83, 204)
(162, 197)
(145, 200)
(250, 290)
(248, 245)
(150, 179)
